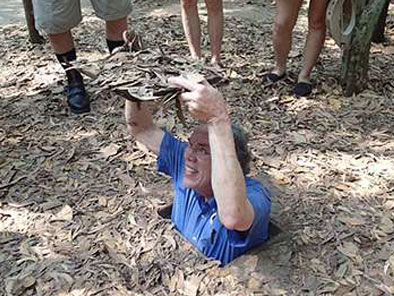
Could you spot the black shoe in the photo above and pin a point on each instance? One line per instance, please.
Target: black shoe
(303, 89)
(273, 78)
(77, 98)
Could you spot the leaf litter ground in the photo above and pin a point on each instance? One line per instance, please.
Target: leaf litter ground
(78, 196)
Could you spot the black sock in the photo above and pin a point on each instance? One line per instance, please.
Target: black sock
(73, 76)
(112, 44)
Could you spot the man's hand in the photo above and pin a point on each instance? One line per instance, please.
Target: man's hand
(204, 102)
(140, 124)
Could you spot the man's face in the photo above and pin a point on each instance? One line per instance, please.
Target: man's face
(198, 163)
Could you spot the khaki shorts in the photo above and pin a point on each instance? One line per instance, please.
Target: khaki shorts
(59, 16)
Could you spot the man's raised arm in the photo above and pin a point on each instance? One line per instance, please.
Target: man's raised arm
(228, 183)
(140, 124)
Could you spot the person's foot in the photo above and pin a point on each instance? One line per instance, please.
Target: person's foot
(131, 43)
(196, 58)
(216, 62)
(273, 77)
(77, 98)
(303, 89)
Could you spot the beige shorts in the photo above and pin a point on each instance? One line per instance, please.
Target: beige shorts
(59, 16)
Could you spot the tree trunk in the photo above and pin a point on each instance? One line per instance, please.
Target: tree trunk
(378, 35)
(33, 33)
(355, 58)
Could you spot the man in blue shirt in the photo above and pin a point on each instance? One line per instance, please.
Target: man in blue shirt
(216, 207)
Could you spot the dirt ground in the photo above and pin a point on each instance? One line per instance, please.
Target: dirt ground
(78, 196)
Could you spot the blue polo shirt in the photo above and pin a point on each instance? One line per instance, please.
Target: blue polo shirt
(198, 221)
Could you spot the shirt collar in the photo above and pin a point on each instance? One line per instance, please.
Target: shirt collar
(206, 205)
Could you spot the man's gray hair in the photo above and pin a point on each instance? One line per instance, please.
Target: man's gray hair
(241, 147)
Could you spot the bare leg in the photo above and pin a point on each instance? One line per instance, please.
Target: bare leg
(215, 28)
(191, 26)
(316, 37)
(114, 29)
(285, 19)
(61, 43)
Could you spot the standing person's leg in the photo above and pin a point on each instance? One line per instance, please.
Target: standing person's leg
(114, 33)
(62, 42)
(114, 29)
(215, 28)
(285, 19)
(57, 18)
(191, 26)
(63, 46)
(114, 13)
(316, 37)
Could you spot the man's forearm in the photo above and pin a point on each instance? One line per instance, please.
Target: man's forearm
(228, 182)
(140, 124)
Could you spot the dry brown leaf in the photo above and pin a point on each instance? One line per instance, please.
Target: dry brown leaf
(254, 284)
(389, 205)
(102, 200)
(110, 150)
(386, 225)
(352, 220)
(243, 266)
(65, 214)
(389, 265)
(349, 249)
(335, 103)
(179, 279)
(342, 270)
(191, 285)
